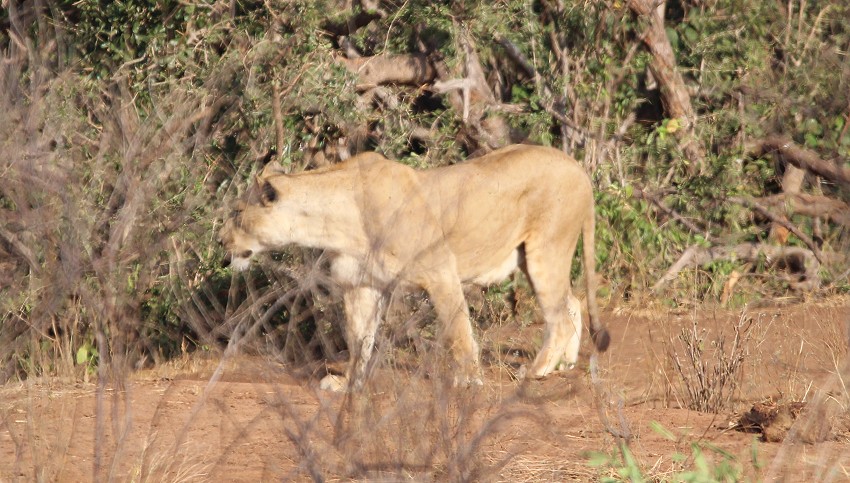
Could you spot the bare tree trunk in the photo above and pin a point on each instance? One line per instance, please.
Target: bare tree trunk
(674, 92)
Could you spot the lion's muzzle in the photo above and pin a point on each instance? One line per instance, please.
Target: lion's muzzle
(238, 261)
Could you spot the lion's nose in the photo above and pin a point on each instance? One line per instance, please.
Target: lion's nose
(225, 262)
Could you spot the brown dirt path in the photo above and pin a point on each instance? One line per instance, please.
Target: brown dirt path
(260, 422)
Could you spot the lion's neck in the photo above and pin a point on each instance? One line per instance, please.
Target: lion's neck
(328, 232)
(327, 223)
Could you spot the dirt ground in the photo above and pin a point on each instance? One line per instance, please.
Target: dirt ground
(250, 418)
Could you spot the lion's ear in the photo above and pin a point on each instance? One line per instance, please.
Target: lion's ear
(268, 193)
(269, 170)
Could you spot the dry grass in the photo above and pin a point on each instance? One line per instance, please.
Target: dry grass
(709, 370)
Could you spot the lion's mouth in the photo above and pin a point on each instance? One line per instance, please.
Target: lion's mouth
(238, 261)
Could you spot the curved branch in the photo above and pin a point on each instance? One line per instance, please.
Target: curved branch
(351, 24)
(644, 195)
(21, 249)
(797, 260)
(779, 220)
(555, 106)
(809, 205)
(800, 157)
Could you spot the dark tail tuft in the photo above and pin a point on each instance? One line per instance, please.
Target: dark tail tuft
(601, 339)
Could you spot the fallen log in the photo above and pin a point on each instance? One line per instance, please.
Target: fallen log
(800, 264)
(781, 221)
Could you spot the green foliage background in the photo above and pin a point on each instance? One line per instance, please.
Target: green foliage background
(174, 99)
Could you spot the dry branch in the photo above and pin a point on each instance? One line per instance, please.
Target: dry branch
(800, 157)
(783, 222)
(491, 130)
(351, 24)
(390, 69)
(809, 205)
(22, 250)
(797, 260)
(277, 115)
(554, 106)
(644, 195)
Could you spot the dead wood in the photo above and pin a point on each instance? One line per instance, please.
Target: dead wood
(351, 24)
(489, 128)
(377, 70)
(770, 418)
(21, 249)
(800, 264)
(809, 205)
(674, 92)
(800, 157)
(277, 115)
(781, 220)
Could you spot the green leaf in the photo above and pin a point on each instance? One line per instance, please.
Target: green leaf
(599, 459)
(691, 34)
(82, 355)
(673, 36)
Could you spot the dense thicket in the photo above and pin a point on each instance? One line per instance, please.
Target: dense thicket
(717, 133)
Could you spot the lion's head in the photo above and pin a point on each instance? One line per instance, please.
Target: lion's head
(239, 241)
(245, 232)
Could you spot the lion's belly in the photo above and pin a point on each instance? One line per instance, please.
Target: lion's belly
(492, 272)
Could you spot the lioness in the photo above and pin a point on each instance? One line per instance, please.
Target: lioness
(477, 221)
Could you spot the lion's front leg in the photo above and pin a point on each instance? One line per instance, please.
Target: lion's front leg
(449, 302)
(363, 315)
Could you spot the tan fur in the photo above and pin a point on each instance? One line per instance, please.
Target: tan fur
(476, 221)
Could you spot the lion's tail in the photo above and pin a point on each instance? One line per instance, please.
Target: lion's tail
(598, 332)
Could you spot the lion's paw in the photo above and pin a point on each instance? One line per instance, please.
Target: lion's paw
(334, 383)
(468, 382)
(522, 372)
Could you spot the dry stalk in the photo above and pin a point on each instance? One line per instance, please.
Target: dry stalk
(707, 386)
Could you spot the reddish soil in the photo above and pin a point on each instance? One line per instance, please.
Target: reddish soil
(262, 421)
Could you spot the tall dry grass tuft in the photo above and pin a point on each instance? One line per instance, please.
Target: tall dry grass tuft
(709, 370)
(98, 192)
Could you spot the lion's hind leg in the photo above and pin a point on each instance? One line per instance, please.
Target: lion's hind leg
(561, 311)
(570, 356)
